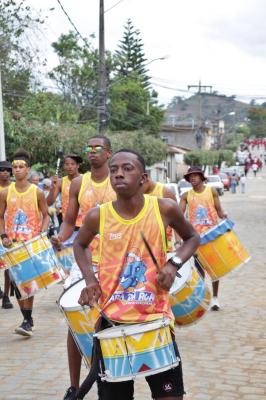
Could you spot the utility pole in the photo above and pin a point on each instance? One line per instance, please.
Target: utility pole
(201, 89)
(102, 73)
(2, 133)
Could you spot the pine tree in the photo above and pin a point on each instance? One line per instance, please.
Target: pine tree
(130, 56)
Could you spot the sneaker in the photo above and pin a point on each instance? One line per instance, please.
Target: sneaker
(1, 293)
(24, 329)
(31, 324)
(70, 393)
(215, 306)
(6, 303)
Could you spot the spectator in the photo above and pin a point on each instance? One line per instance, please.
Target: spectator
(234, 182)
(242, 181)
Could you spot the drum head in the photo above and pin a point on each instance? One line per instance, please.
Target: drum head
(128, 330)
(185, 272)
(69, 299)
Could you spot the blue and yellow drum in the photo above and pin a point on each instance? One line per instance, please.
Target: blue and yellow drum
(220, 251)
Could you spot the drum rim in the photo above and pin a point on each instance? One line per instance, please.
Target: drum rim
(76, 308)
(184, 284)
(109, 333)
(24, 244)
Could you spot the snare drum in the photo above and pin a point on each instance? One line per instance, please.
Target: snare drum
(190, 296)
(137, 350)
(220, 250)
(65, 255)
(80, 320)
(33, 266)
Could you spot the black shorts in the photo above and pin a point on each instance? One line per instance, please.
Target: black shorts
(165, 384)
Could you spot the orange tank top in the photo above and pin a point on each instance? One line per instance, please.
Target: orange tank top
(201, 210)
(158, 192)
(127, 274)
(23, 218)
(66, 182)
(93, 194)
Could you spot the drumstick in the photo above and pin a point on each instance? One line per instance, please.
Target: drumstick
(57, 166)
(152, 255)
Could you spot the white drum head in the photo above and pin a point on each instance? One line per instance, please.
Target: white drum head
(185, 272)
(69, 299)
(129, 330)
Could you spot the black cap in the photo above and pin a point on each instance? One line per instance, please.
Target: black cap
(6, 164)
(194, 170)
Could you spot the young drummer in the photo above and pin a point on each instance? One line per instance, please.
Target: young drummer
(144, 298)
(23, 215)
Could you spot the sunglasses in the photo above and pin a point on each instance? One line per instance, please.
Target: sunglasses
(5, 169)
(94, 149)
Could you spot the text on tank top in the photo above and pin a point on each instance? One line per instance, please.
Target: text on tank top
(93, 194)
(23, 218)
(127, 274)
(201, 210)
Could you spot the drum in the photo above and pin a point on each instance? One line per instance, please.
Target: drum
(220, 251)
(190, 296)
(137, 350)
(66, 255)
(33, 266)
(2, 262)
(80, 320)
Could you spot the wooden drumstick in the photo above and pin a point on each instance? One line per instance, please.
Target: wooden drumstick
(152, 255)
(103, 314)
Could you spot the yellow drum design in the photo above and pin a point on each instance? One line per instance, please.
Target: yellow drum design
(137, 350)
(190, 296)
(33, 266)
(220, 251)
(80, 320)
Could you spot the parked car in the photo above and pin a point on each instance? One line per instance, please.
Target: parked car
(235, 169)
(173, 187)
(183, 186)
(216, 182)
(225, 179)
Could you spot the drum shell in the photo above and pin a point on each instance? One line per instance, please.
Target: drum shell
(192, 301)
(222, 255)
(139, 354)
(33, 266)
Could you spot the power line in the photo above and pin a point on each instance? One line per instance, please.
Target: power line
(116, 4)
(72, 23)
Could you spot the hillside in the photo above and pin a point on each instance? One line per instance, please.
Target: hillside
(210, 106)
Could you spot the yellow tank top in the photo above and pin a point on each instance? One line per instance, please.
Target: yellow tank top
(127, 274)
(23, 219)
(201, 210)
(93, 194)
(158, 192)
(66, 182)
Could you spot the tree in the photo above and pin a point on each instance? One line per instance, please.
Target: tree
(130, 58)
(257, 122)
(133, 105)
(152, 149)
(17, 60)
(206, 157)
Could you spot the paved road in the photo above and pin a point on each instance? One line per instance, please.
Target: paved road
(224, 355)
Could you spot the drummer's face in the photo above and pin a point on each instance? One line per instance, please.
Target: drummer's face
(195, 179)
(20, 171)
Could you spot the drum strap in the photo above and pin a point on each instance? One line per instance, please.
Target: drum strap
(97, 363)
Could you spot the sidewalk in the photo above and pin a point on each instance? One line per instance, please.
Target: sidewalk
(224, 355)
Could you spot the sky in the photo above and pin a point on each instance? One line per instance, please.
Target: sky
(221, 43)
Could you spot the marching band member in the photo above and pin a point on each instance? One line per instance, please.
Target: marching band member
(204, 210)
(23, 215)
(143, 296)
(86, 192)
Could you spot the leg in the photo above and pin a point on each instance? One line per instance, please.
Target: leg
(6, 303)
(25, 329)
(214, 303)
(115, 391)
(74, 361)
